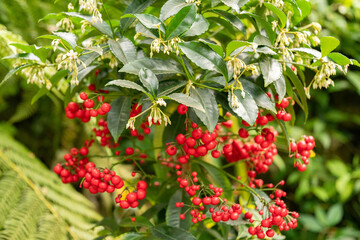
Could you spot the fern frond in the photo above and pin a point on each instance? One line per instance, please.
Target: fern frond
(34, 203)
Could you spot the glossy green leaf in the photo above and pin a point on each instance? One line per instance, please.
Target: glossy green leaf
(185, 99)
(280, 14)
(118, 116)
(70, 38)
(219, 178)
(149, 21)
(206, 98)
(140, 221)
(339, 58)
(310, 51)
(335, 214)
(218, 49)
(246, 109)
(157, 66)
(167, 87)
(123, 49)
(171, 233)
(231, 18)
(235, 4)
(204, 57)
(280, 87)
(305, 10)
(149, 80)
(25, 56)
(260, 97)
(40, 52)
(327, 45)
(200, 26)
(170, 8)
(102, 26)
(235, 44)
(173, 212)
(136, 6)
(126, 84)
(15, 70)
(271, 70)
(300, 90)
(181, 22)
(130, 236)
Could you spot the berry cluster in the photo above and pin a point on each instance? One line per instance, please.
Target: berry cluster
(104, 134)
(97, 180)
(278, 216)
(132, 198)
(302, 150)
(86, 110)
(74, 167)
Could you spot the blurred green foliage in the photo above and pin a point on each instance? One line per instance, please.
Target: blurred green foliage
(326, 195)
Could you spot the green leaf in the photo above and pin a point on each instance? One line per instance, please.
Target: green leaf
(15, 70)
(171, 233)
(310, 51)
(280, 14)
(167, 87)
(235, 44)
(300, 90)
(344, 186)
(200, 26)
(271, 70)
(126, 84)
(231, 18)
(186, 100)
(305, 9)
(123, 49)
(136, 6)
(149, 21)
(339, 58)
(260, 97)
(337, 167)
(118, 116)
(40, 52)
(181, 22)
(260, 21)
(70, 38)
(173, 212)
(130, 236)
(335, 214)
(170, 8)
(218, 49)
(206, 98)
(327, 45)
(204, 57)
(218, 177)
(320, 215)
(310, 223)
(102, 26)
(235, 4)
(140, 221)
(280, 87)
(157, 66)
(26, 56)
(149, 80)
(41, 92)
(247, 108)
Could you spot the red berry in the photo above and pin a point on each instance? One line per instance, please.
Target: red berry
(141, 185)
(301, 167)
(171, 150)
(131, 197)
(180, 139)
(58, 168)
(270, 233)
(284, 103)
(105, 107)
(215, 154)
(182, 109)
(129, 151)
(83, 96)
(215, 200)
(262, 120)
(140, 194)
(248, 215)
(243, 133)
(196, 201)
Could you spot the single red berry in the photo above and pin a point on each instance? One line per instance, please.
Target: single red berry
(131, 197)
(196, 201)
(83, 96)
(129, 151)
(293, 68)
(301, 167)
(180, 139)
(270, 233)
(243, 133)
(182, 109)
(171, 150)
(140, 194)
(141, 185)
(284, 103)
(58, 168)
(133, 219)
(215, 154)
(262, 121)
(105, 107)
(182, 216)
(248, 215)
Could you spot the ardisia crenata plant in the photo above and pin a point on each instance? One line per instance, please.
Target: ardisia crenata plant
(197, 96)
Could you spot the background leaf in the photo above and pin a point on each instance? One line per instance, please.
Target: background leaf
(119, 116)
